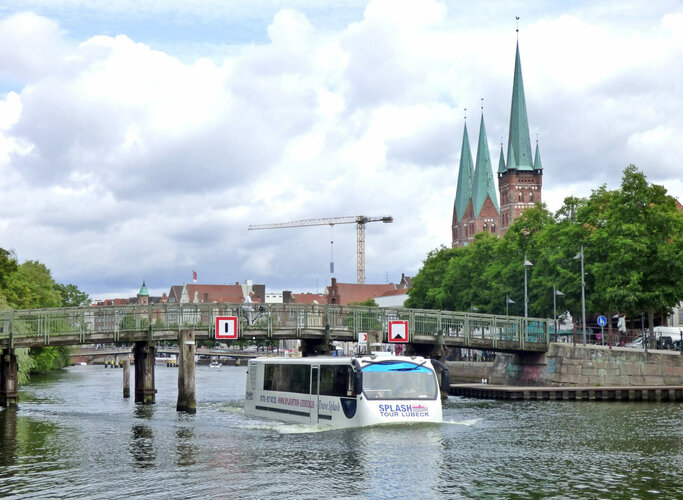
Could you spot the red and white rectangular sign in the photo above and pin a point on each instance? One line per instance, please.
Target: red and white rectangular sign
(398, 332)
(226, 327)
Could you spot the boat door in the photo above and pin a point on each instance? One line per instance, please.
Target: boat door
(315, 390)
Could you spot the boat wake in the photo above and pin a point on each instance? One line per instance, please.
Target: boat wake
(466, 423)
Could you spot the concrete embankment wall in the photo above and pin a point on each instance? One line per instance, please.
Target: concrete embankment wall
(463, 372)
(570, 365)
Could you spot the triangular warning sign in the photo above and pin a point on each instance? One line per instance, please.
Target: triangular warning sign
(398, 331)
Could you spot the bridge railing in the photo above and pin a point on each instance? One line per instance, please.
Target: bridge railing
(284, 320)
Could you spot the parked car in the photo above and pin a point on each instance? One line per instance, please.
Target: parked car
(666, 338)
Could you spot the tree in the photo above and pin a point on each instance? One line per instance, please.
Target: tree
(640, 236)
(72, 296)
(426, 291)
(32, 286)
(8, 265)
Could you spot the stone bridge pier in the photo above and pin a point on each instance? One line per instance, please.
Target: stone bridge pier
(433, 351)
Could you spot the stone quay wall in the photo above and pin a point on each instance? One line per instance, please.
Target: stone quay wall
(463, 372)
(578, 365)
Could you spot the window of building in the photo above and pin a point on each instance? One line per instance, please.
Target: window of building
(493, 228)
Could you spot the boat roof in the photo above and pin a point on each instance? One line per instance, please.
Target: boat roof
(341, 360)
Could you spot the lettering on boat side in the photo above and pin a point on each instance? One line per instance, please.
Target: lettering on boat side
(404, 410)
(330, 406)
(302, 403)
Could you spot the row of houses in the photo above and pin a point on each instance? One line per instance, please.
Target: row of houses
(385, 294)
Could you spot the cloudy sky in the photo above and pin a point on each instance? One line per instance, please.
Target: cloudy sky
(140, 139)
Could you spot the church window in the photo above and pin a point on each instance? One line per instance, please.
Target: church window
(521, 196)
(493, 228)
(531, 196)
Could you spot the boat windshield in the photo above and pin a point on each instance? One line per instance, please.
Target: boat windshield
(399, 380)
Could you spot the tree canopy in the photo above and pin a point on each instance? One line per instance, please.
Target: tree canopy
(30, 285)
(633, 258)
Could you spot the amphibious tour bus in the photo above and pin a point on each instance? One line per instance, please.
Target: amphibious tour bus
(344, 392)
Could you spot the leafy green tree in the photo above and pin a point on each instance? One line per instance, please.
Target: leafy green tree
(8, 265)
(640, 241)
(32, 286)
(72, 296)
(426, 292)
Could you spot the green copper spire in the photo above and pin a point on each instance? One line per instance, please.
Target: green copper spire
(483, 174)
(143, 290)
(465, 173)
(501, 161)
(537, 159)
(512, 164)
(518, 140)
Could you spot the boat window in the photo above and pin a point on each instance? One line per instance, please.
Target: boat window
(399, 380)
(336, 380)
(287, 378)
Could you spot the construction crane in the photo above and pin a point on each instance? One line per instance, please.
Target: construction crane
(359, 220)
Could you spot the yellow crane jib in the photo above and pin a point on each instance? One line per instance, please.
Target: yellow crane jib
(359, 220)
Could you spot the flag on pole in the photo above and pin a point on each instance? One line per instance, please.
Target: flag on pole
(194, 276)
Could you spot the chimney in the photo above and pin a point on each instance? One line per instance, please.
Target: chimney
(334, 281)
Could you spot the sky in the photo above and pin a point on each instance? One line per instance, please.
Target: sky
(140, 139)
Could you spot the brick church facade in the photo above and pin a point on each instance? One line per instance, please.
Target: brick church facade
(520, 178)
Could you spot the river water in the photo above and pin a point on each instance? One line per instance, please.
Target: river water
(74, 436)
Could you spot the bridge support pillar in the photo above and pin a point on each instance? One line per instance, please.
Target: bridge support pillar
(186, 393)
(143, 353)
(433, 351)
(9, 379)
(315, 347)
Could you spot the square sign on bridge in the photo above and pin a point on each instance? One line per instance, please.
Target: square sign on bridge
(226, 327)
(398, 332)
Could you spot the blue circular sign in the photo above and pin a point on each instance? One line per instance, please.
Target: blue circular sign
(602, 321)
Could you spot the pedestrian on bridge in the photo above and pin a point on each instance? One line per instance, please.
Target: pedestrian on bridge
(248, 300)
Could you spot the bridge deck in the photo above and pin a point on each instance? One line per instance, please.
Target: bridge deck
(163, 322)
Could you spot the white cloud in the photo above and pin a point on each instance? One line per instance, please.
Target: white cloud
(121, 161)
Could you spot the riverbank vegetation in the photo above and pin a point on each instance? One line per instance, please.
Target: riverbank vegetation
(632, 240)
(30, 285)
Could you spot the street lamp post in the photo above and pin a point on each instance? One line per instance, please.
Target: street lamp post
(556, 292)
(526, 298)
(583, 296)
(508, 301)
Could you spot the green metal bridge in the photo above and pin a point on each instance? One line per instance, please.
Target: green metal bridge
(323, 323)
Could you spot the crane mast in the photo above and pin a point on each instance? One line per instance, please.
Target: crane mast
(359, 220)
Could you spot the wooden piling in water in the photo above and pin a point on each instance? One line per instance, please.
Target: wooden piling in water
(143, 353)
(126, 378)
(9, 379)
(186, 379)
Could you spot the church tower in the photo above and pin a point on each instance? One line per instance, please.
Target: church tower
(484, 199)
(521, 179)
(143, 295)
(462, 209)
